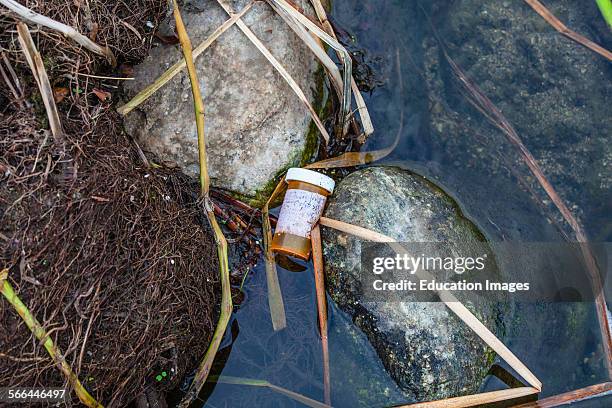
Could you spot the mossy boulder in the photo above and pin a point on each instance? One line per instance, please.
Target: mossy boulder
(428, 351)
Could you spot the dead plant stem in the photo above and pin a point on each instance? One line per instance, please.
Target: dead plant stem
(279, 68)
(448, 298)
(275, 296)
(562, 28)
(319, 272)
(364, 114)
(226, 295)
(42, 80)
(40, 333)
(171, 72)
(491, 112)
(570, 397)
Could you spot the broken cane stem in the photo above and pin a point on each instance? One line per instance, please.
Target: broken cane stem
(226, 295)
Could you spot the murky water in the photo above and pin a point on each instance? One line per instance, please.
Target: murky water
(479, 168)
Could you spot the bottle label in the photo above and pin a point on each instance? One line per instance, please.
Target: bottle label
(300, 212)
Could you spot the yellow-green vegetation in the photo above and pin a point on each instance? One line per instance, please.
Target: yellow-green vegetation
(9, 293)
(226, 294)
(605, 7)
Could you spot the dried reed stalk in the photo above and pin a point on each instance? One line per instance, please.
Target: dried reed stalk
(42, 80)
(448, 298)
(315, 47)
(226, 294)
(280, 68)
(364, 114)
(35, 18)
(39, 332)
(571, 396)
(309, 402)
(319, 272)
(562, 28)
(475, 399)
(345, 58)
(350, 159)
(180, 65)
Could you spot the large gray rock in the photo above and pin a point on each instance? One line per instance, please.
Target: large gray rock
(255, 124)
(428, 351)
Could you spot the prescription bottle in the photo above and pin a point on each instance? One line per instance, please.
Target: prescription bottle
(307, 192)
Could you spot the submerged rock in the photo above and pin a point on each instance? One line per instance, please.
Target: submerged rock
(255, 124)
(428, 351)
(554, 91)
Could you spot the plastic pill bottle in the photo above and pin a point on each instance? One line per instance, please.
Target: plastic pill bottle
(307, 192)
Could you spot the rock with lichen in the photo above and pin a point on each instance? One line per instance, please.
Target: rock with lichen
(428, 351)
(255, 125)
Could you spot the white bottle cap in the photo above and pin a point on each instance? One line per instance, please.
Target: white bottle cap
(312, 177)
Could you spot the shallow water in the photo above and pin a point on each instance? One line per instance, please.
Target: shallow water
(475, 171)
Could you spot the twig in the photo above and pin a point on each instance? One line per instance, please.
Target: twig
(180, 65)
(35, 18)
(226, 295)
(475, 399)
(309, 402)
(39, 332)
(317, 257)
(10, 85)
(42, 80)
(281, 70)
(89, 324)
(570, 397)
(105, 77)
(131, 28)
(14, 76)
(236, 203)
(13, 81)
(562, 28)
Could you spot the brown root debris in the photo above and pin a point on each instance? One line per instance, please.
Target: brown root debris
(114, 258)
